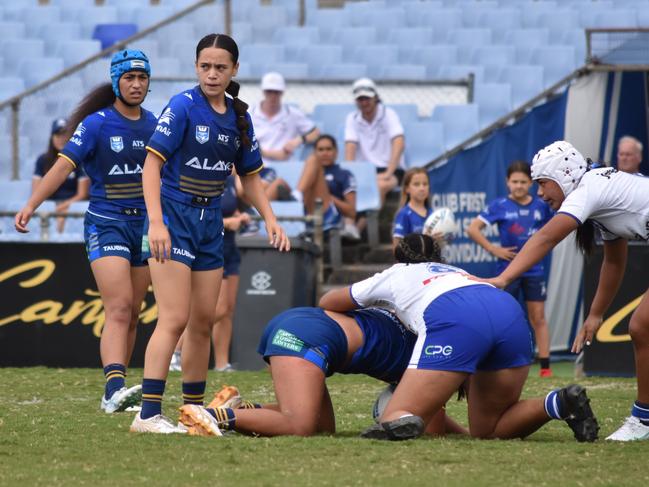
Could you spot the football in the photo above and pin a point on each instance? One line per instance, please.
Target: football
(440, 222)
(382, 400)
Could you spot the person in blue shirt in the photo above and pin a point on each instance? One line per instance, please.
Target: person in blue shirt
(323, 179)
(201, 136)
(304, 346)
(519, 216)
(75, 187)
(108, 143)
(415, 205)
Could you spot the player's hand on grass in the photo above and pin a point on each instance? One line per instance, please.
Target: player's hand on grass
(586, 333)
(22, 219)
(277, 236)
(505, 253)
(159, 241)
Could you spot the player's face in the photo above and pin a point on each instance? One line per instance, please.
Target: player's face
(134, 86)
(551, 193)
(215, 69)
(418, 188)
(519, 185)
(325, 152)
(628, 158)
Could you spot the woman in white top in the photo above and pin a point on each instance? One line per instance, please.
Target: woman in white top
(618, 204)
(464, 328)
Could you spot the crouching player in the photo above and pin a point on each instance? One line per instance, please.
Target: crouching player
(304, 346)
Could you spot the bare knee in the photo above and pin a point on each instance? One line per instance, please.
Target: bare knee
(300, 428)
(639, 330)
(119, 312)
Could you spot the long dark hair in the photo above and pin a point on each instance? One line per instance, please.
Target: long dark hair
(226, 42)
(416, 248)
(101, 97)
(50, 155)
(585, 237)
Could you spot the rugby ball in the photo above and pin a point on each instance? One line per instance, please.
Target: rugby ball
(382, 401)
(440, 222)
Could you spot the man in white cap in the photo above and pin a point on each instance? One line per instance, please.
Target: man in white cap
(280, 129)
(374, 133)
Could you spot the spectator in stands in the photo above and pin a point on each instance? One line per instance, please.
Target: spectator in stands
(75, 187)
(280, 129)
(629, 154)
(323, 179)
(374, 133)
(415, 205)
(111, 129)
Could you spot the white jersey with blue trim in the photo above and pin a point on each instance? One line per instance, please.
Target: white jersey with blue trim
(616, 201)
(408, 289)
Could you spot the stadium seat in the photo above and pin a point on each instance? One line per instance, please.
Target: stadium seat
(415, 9)
(38, 69)
(408, 37)
(492, 58)
(603, 16)
(210, 19)
(424, 142)
(332, 116)
(290, 209)
(558, 20)
(10, 86)
(18, 191)
(368, 199)
(460, 122)
(328, 23)
(344, 71)
(408, 112)
(147, 16)
(6, 158)
(318, 57)
(294, 36)
(293, 71)
(35, 17)
(109, 34)
(14, 51)
(494, 100)
(469, 37)
(265, 20)
(383, 19)
(185, 53)
(462, 71)
(53, 35)
(557, 61)
(89, 17)
(242, 32)
(441, 21)
(433, 57)
(526, 82)
(73, 52)
(376, 56)
(403, 72)
(532, 10)
(73, 228)
(12, 30)
(350, 37)
(149, 47)
(166, 36)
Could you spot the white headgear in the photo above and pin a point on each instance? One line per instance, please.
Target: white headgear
(562, 163)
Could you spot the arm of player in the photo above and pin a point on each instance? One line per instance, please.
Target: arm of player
(255, 193)
(610, 279)
(537, 247)
(346, 206)
(338, 300)
(396, 150)
(50, 183)
(159, 239)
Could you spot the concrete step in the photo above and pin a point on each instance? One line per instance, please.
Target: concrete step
(350, 274)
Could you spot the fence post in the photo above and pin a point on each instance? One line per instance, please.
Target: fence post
(227, 15)
(15, 145)
(318, 238)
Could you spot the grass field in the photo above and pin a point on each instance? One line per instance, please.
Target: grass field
(52, 433)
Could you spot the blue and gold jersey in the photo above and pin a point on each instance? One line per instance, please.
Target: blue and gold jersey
(110, 148)
(200, 147)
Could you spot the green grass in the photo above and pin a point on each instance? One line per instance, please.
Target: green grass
(52, 433)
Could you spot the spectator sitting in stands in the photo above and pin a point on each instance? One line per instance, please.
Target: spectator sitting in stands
(324, 179)
(374, 133)
(280, 129)
(75, 188)
(629, 154)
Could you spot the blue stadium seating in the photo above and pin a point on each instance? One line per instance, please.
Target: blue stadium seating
(344, 71)
(403, 72)
(14, 51)
(367, 194)
(408, 112)
(424, 142)
(74, 51)
(526, 82)
(441, 21)
(37, 69)
(109, 34)
(10, 86)
(332, 116)
(557, 61)
(460, 122)
(494, 101)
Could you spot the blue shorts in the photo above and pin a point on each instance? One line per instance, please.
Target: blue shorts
(532, 287)
(307, 333)
(121, 238)
(331, 218)
(196, 235)
(231, 256)
(268, 174)
(473, 328)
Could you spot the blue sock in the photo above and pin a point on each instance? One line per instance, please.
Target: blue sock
(641, 411)
(152, 391)
(115, 378)
(552, 406)
(194, 392)
(224, 416)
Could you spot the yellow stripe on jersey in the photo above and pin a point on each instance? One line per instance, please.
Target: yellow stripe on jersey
(200, 186)
(201, 181)
(124, 190)
(255, 171)
(74, 164)
(206, 194)
(151, 149)
(122, 185)
(124, 196)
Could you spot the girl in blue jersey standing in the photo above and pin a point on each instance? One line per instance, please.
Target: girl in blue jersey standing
(520, 215)
(108, 142)
(415, 205)
(201, 136)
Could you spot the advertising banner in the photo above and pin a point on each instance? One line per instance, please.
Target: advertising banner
(611, 352)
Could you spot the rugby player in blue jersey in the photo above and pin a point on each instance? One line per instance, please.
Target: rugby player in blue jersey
(110, 131)
(520, 215)
(304, 346)
(464, 329)
(201, 135)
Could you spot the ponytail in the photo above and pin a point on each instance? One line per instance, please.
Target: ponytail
(585, 238)
(416, 248)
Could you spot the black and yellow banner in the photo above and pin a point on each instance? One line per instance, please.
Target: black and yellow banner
(611, 353)
(50, 311)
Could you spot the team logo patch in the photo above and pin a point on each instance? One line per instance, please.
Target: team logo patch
(287, 340)
(116, 143)
(202, 133)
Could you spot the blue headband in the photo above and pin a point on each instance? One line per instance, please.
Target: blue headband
(125, 61)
